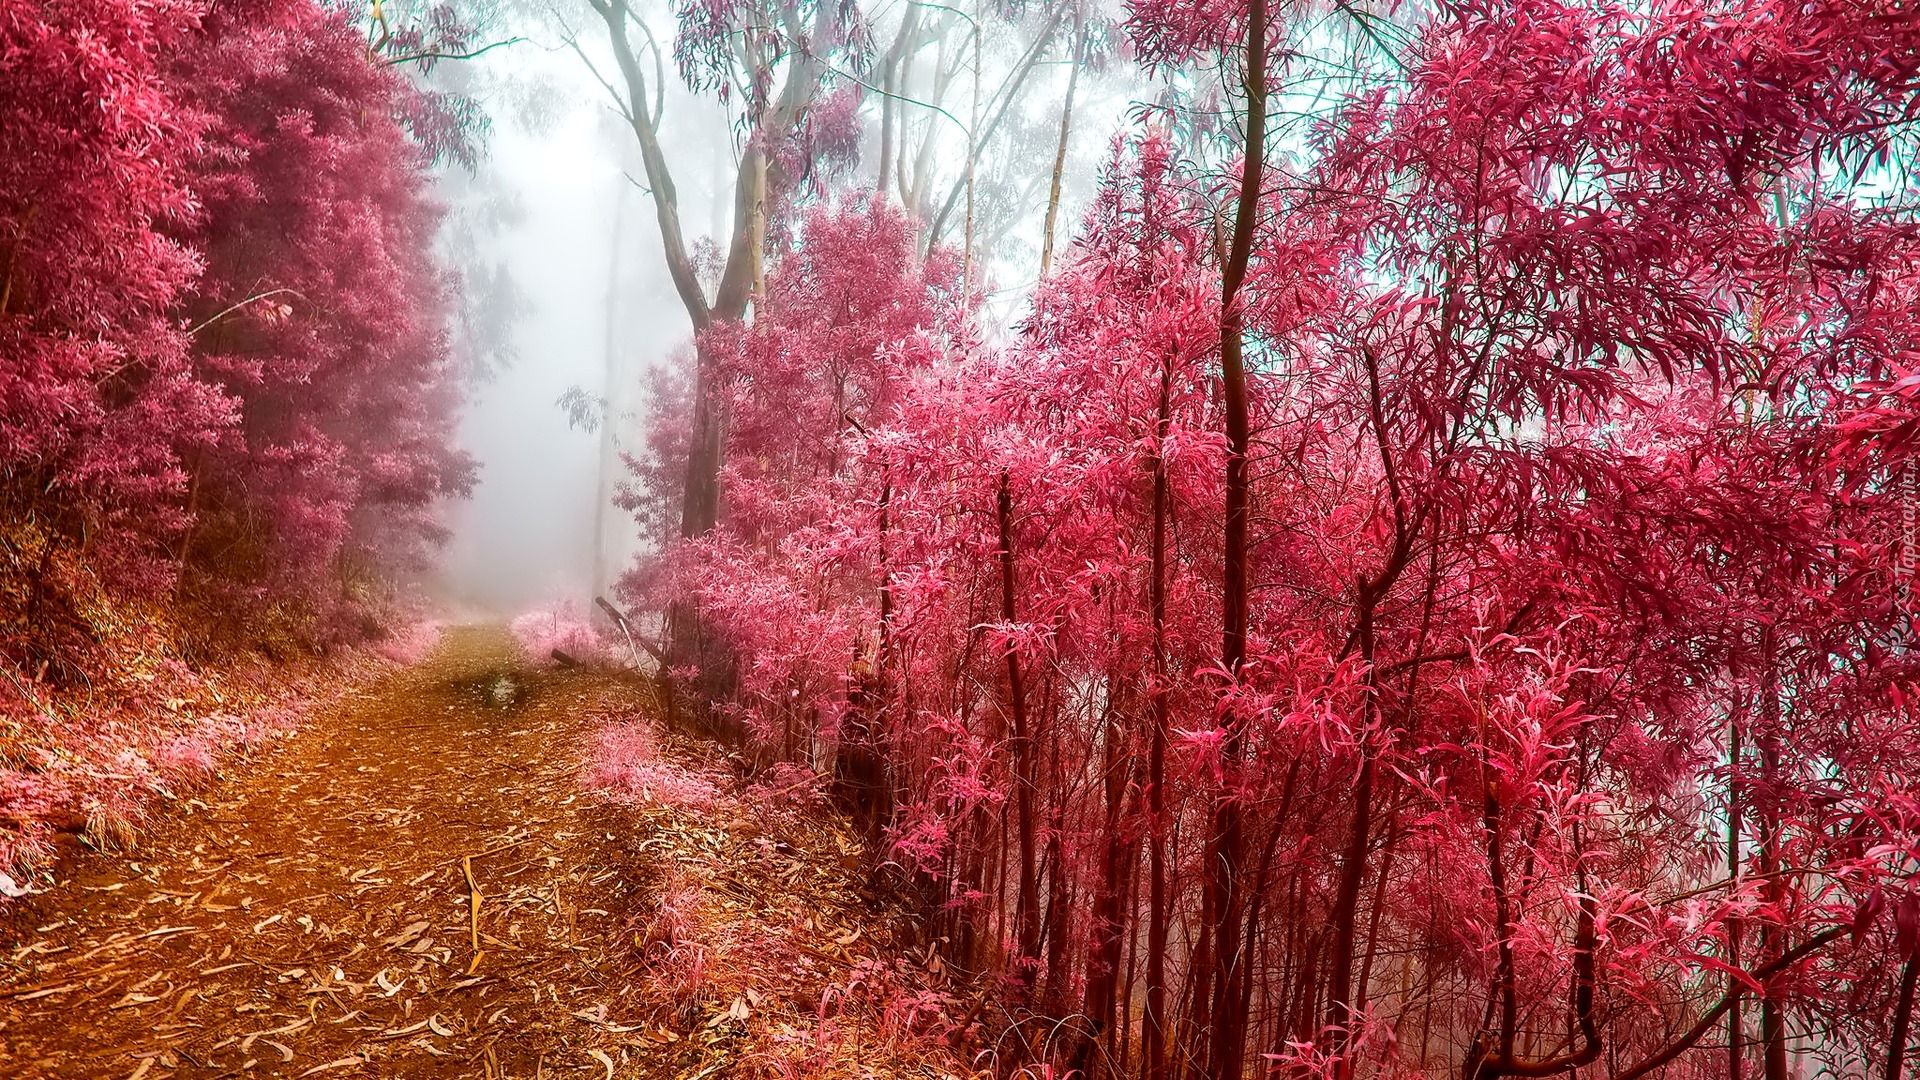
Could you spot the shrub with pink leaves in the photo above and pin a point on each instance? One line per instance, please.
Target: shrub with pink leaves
(98, 773)
(628, 763)
(559, 627)
(410, 644)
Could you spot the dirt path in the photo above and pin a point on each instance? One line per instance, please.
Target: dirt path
(311, 914)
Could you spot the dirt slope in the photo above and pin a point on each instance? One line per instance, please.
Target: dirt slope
(311, 914)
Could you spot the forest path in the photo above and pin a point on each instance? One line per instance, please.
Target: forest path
(308, 914)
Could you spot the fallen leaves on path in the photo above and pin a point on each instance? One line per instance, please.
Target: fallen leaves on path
(417, 884)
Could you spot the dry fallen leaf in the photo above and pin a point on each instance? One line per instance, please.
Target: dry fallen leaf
(395, 1033)
(412, 931)
(602, 1058)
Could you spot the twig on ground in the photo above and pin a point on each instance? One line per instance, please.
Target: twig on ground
(475, 912)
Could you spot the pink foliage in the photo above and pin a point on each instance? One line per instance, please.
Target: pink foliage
(99, 774)
(785, 786)
(321, 308)
(221, 315)
(1577, 393)
(561, 627)
(411, 643)
(226, 397)
(627, 762)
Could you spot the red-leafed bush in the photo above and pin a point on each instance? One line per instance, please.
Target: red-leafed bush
(628, 763)
(559, 628)
(321, 310)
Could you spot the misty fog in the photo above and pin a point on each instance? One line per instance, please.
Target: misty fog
(582, 248)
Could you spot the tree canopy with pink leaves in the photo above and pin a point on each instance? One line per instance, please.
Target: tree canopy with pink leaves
(1422, 587)
(226, 360)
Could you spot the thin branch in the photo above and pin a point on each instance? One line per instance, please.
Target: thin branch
(431, 56)
(236, 307)
(1739, 987)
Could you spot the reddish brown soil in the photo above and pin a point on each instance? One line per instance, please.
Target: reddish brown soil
(308, 915)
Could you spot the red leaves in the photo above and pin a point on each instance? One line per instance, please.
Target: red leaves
(219, 311)
(1906, 926)
(316, 202)
(1575, 380)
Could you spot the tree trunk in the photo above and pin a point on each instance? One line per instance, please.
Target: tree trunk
(1735, 1030)
(1027, 905)
(610, 359)
(1227, 843)
(979, 136)
(1153, 1020)
(1902, 1018)
(890, 90)
(1773, 937)
(1066, 131)
(756, 179)
(1107, 934)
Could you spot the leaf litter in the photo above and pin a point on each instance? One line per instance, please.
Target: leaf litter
(414, 885)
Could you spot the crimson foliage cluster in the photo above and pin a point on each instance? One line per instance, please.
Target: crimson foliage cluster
(226, 394)
(223, 373)
(1429, 596)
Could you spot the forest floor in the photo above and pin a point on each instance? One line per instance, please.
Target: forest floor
(312, 912)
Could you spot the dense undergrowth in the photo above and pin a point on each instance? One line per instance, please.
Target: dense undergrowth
(762, 906)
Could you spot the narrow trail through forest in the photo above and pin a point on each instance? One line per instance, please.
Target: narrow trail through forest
(310, 913)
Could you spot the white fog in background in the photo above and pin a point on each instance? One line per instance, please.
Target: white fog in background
(561, 159)
(527, 536)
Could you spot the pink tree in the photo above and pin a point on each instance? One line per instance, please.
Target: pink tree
(1508, 442)
(322, 311)
(96, 394)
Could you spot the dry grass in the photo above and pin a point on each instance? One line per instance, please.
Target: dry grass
(767, 951)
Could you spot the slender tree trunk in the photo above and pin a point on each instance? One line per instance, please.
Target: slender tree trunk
(1027, 906)
(913, 191)
(1735, 1029)
(887, 765)
(1902, 1018)
(890, 89)
(973, 159)
(610, 359)
(1060, 896)
(1120, 1041)
(1066, 131)
(1227, 843)
(1153, 1020)
(755, 178)
(1109, 929)
(1373, 916)
(1341, 1015)
(1773, 937)
(985, 126)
